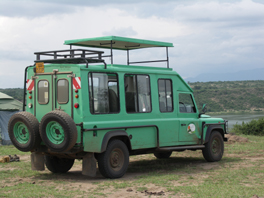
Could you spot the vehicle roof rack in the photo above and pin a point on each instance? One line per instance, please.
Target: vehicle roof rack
(74, 56)
(120, 43)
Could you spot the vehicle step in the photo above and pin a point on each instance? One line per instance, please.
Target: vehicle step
(177, 148)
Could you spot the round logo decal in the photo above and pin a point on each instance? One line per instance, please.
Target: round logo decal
(191, 129)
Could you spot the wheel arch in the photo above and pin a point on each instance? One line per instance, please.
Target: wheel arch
(118, 134)
(212, 128)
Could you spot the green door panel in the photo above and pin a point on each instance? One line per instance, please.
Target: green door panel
(189, 131)
(63, 89)
(52, 92)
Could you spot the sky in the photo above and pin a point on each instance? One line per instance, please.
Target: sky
(209, 36)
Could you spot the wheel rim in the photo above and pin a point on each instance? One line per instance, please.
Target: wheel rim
(55, 132)
(117, 159)
(216, 146)
(21, 132)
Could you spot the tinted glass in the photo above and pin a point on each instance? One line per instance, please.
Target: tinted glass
(137, 90)
(43, 92)
(186, 104)
(103, 93)
(165, 95)
(62, 91)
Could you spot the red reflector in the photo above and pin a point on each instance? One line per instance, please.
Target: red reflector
(30, 92)
(76, 90)
(76, 105)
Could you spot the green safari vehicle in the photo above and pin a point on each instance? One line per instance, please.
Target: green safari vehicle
(78, 107)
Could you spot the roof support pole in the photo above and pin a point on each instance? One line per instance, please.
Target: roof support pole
(111, 52)
(167, 57)
(127, 56)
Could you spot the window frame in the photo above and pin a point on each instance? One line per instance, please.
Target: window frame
(48, 91)
(150, 94)
(172, 101)
(192, 102)
(58, 91)
(92, 92)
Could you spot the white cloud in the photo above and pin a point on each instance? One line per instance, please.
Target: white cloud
(207, 35)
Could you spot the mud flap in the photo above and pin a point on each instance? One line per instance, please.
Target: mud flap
(37, 162)
(89, 165)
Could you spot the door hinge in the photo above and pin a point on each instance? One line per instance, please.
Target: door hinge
(59, 109)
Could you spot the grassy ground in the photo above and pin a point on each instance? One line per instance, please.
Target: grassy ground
(186, 174)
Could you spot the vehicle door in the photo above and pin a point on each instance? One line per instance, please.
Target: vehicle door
(53, 91)
(189, 131)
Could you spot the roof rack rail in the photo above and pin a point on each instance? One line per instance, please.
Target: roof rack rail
(74, 56)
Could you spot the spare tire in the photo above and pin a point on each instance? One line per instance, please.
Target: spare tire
(23, 130)
(58, 131)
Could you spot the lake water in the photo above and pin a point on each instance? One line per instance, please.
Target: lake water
(238, 118)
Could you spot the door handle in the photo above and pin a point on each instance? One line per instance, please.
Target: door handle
(183, 124)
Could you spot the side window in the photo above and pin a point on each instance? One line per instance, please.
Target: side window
(137, 90)
(186, 104)
(43, 92)
(62, 91)
(165, 95)
(103, 93)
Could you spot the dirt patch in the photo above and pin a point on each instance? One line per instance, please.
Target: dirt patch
(256, 196)
(234, 138)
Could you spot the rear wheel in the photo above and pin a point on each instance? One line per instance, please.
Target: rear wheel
(23, 130)
(163, 155)
(58, 131)
(58, 165)
(113, 163)
(214, 148)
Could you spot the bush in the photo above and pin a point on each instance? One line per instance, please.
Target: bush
(254, 127)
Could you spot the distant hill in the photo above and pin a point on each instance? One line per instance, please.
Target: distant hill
(230, 95)
(254, 74)
(16, 93)
(221, 96)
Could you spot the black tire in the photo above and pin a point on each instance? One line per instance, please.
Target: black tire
(58, 131)
(113, 163)
(23, 130)
(214, 148)
(58, 165)
(163, 155)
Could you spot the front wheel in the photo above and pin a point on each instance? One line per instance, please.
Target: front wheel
(58, 165)
(214, 148)
(113, 163)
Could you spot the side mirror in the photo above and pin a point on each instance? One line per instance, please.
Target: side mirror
(204, 109)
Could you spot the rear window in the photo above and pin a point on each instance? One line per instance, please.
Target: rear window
(43, 92)
(62, 91)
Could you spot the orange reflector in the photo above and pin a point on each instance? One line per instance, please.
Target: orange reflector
(76, 96)
(29, 97)
(76, 105)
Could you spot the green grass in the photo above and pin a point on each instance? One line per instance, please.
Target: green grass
(10, 150)
(239, 174)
